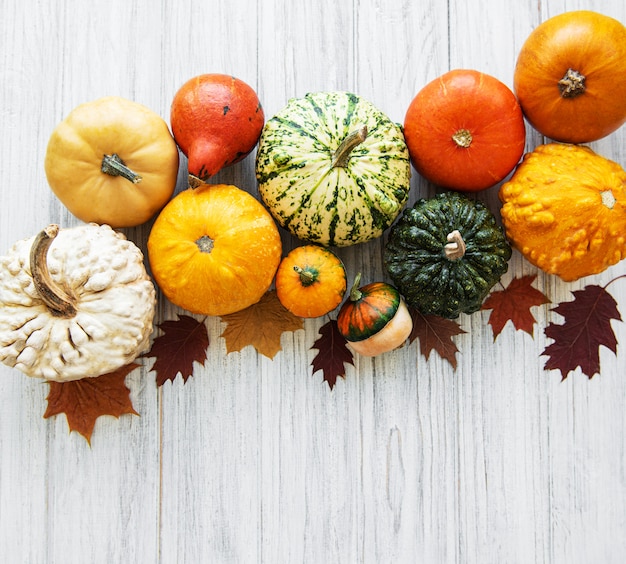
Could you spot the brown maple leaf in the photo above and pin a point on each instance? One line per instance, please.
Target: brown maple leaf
(333, 353)
(586, 327)
(260, 325)
(184, 341)
(83, 401)
(513, 304)
(435, 333)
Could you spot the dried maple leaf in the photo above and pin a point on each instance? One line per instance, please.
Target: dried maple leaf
(586, 327)
(333, 353)
(184, 341)
(514, 303)
(260, 325)
(435, 333)
(83, 401)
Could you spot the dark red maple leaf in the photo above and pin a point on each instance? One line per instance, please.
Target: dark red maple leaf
(83, 401)
(586, 327)
(333, 353)
(184, 341)
(514, 303)
(435, 333)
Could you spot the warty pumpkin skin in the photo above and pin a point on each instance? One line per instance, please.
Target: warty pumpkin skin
(570, 76)
(564, 209)
(74, 303)
(333, 169)
(374, 319)
(311, 281)
(112, 161)
(445, 253)
(214, 249)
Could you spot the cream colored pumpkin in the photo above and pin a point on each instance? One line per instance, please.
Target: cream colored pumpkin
(74, 303)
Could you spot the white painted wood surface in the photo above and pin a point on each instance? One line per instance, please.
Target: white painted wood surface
(254, 460)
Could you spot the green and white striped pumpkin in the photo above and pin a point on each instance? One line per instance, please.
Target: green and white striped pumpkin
(333, 169)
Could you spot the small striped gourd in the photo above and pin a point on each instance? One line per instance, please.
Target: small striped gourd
(374, 319)
(332, 169)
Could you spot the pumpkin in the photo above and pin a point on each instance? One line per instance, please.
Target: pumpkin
(570, 76)
(375, 318)
(311, 281)
(333, 169)
(465, 131)
(74, 303)
(112, 161)
(445, 253)
(564, 209)
(216, 120)
(214, 249)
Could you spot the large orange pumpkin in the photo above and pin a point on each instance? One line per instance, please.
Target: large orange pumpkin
(465, 131)
(570, 76)
(214, 249)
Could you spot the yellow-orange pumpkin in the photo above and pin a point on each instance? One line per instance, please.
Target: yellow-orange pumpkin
(564, 209)
(311, 281)
(214, 249)
(570, 76)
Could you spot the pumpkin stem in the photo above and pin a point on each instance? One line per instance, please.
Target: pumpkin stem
(306, 276)
(113, 165)
(194, 181)
(455, 249)
(355, 293)
(342, 154)
(56, 299)
(608, 199)
(463, 138)
(572, 84)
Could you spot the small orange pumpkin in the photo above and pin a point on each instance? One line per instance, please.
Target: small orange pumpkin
(311, 281)
(564, 209)
(214, 249)
(570, 76)
(375, 318)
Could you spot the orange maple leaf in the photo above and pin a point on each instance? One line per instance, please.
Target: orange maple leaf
(514, 303)
(435, 333)
(260, 325)
(83, 401)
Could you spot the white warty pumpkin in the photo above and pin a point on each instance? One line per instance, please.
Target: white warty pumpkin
(74, 303)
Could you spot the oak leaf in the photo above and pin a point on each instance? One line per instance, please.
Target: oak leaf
(513, 304)
(435, 333)
(260, 325)
(333, 353)
(586, 327)
(184, 341)
(83, 401)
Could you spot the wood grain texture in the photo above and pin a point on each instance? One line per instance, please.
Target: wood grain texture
(257, 460)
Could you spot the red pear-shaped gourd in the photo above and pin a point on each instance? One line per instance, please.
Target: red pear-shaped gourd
(216, 120)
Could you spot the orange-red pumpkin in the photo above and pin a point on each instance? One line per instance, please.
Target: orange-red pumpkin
(465, 131)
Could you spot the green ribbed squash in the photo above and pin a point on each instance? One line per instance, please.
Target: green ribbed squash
(445, 254)
(332, 169)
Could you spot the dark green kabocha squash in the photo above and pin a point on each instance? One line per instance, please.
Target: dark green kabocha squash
(445, 253)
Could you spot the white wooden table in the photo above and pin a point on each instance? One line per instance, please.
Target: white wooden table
(257, 460)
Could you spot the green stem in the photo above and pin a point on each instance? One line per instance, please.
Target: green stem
(342, 154)
(306, 277)
(113, 165)
(56, 299)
